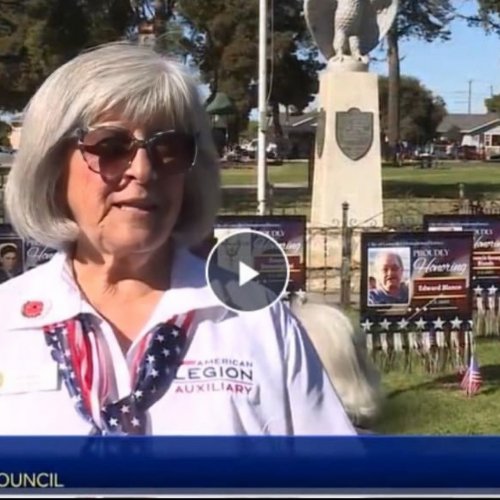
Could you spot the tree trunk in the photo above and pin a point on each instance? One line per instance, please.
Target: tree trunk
(277, 129)
(393, 93)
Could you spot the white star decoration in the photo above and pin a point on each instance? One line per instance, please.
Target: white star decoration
(160, 338)
(113, 422)
(166, 352)
(478, 290)
(301, 294)
(151, 358)
(366, 325)
(456, 322)
(492, 290)
(385, 324)
(138, 394)
(420, 324)
(154, 373)
(135, 422)
(403, 323)
(438, 323)
(125, 409)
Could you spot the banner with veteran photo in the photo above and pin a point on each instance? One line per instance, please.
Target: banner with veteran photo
(288, 230)
(29, 253)
(415, 297)
(485, 266)
(11, 253)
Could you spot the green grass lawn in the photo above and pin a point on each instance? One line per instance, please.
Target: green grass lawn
(278, 174)
(419, 403)
(479, 179)
(420, 190)
(440, 182)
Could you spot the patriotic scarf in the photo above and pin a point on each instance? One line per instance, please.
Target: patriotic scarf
(76, 348)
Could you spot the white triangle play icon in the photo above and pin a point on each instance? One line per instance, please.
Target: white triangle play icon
(246, 273)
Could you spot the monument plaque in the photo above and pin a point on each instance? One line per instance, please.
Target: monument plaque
(354, 132)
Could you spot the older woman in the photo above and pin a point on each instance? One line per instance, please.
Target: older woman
(119, 333)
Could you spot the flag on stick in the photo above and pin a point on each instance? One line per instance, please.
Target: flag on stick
(472, 380)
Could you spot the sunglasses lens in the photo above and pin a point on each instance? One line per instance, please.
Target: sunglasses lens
(173, 150)
(108, 150)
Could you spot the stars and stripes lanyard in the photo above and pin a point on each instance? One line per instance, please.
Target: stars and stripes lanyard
(75, 347)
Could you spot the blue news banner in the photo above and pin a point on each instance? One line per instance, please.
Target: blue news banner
(302, 464)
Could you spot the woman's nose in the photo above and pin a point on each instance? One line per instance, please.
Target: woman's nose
(140, 167)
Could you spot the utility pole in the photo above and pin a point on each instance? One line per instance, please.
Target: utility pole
(470, 96)
(261, 151)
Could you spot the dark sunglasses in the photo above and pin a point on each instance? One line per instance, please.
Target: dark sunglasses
(109, 150)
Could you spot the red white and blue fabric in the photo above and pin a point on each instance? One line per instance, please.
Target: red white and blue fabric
(76, 347)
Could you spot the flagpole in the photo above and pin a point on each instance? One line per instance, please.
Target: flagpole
(261, 159)
(471, 359)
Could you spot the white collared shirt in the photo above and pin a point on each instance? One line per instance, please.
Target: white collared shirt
(243, 374)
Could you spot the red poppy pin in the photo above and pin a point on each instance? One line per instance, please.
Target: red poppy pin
(32, 309)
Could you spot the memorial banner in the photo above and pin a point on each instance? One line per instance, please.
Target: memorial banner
(485, 266)
(288, 230)
(415, 297)
(18, 255)
(12, 253)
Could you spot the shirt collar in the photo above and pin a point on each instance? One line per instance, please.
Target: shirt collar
(53, 286)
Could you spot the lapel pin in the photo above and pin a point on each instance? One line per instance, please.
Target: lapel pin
(32, 309)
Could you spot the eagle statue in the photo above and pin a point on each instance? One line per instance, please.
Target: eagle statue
(349, 28)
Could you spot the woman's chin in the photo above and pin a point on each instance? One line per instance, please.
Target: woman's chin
(133, 243)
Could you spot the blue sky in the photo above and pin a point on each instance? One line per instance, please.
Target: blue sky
(446, 67)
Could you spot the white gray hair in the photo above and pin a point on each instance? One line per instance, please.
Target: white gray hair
(342, 350)
(144, 88)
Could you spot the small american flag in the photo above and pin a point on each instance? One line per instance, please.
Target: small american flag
(472, 380)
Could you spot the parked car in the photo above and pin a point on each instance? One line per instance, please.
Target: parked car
(252, 147)
(468, 153)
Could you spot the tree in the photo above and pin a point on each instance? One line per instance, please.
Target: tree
(223, 44)
(488, 15)
(421, 110)
(425, 19)
(493, 104)
(454, 134)
(37, 36)
(294, 62)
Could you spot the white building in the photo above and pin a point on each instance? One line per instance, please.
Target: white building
(481, 131)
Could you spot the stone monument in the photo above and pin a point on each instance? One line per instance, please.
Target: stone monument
(348, 158)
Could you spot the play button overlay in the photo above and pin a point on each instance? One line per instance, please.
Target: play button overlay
(247, 271)
(246, 274)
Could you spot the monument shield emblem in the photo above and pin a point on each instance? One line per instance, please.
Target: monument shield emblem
(320, 132)
(354, 132)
